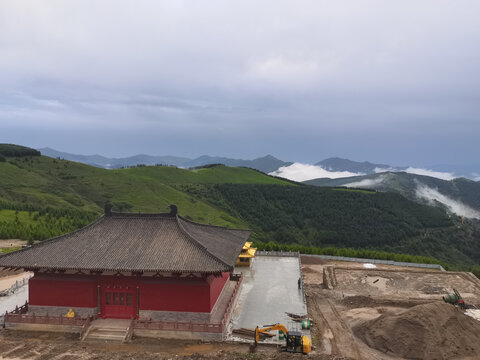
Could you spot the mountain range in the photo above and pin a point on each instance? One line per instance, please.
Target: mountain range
(42, 197)
(265, 164)
(339, 164)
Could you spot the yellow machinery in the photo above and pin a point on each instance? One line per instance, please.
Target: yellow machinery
(246, 255)
(296, 342)
(70, 314)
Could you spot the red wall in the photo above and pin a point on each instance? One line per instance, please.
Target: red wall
(216, 287)
(170, 295)
(50, 290)
(190, 295)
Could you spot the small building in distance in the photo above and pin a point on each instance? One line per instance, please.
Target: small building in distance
(246, 255)
(158, 267)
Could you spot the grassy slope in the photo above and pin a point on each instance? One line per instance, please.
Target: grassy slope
(43, 181)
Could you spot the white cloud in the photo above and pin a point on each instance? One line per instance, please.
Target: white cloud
(303, 172)
(380, 170)
(457, 207)
(366, 183)
(426, 172)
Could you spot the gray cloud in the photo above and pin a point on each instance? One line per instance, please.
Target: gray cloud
(303, 81)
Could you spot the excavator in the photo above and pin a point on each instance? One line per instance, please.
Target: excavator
(296, 343)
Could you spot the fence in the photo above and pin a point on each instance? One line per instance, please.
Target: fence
(232, 299)
(19, 315)
(302, 285)
(190, 326)
(343, 258)
(44, 320)
(278, 253)
(377, 261)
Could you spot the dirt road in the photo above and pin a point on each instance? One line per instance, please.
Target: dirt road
(358, 297)
(15, 345)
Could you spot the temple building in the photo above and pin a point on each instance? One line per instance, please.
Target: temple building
(246, 255)
(158, 267)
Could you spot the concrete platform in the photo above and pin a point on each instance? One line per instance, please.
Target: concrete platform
(269, 289)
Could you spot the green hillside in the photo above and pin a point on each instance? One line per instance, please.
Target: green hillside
(323, 217)
(41, 197)
(59, 195)
(460, 189)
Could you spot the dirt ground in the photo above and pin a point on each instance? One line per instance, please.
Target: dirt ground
(368, 311)
(6, 243)
(370, 314)
(16, 345)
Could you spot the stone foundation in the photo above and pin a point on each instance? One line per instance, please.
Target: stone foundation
(43, 327)
(174, 316)
(186, 335)
(61, 310)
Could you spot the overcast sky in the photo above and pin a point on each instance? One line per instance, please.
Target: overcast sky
(396, 82)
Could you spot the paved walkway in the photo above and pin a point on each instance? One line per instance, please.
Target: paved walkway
(269, 289)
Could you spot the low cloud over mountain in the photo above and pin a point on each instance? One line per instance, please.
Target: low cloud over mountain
(431, 195)
(303, 172)
(435, 174)
(367, 183)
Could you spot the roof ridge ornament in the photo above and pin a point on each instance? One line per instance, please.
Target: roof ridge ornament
(108, 209)
(173, 210)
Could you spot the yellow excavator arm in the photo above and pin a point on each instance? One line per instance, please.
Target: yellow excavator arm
(269, 328)
(295, 341)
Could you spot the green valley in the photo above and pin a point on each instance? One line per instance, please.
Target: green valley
(42, 197)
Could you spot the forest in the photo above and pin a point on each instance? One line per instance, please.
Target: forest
(329, 217)
(42, 197)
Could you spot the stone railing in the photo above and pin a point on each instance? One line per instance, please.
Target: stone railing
(44, 320)
(231, 302)
(17, 285)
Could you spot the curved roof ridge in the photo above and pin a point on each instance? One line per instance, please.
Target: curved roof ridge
(56, 238)
(198, 243)
(212, 226)
(140, 215)
(118, 241)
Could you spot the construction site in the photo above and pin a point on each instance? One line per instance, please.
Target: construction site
(347, 310)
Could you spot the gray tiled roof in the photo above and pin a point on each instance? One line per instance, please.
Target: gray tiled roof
(136, 242)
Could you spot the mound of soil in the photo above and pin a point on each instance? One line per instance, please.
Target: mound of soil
(429, 331)
(357, 301)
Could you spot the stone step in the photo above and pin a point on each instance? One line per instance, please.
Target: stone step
(107, 334)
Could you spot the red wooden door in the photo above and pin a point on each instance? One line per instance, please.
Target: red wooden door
(118, 302)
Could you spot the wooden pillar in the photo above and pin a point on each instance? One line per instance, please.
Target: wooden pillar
(138, 301)
(99, 300)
